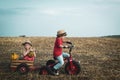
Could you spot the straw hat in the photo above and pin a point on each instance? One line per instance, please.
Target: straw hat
(61, 33)
(27, 42)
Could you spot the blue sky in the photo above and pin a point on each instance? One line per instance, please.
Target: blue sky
(81, 18)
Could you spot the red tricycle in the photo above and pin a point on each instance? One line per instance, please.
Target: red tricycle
(72, 67)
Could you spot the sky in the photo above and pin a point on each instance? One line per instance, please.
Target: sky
(79, 18)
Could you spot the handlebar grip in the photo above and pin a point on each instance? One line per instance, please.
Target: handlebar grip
(65, 46)
(69, 42)
(70, 46)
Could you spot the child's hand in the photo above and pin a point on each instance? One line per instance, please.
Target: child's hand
(66, 46)
(68, 41)
(32, 49)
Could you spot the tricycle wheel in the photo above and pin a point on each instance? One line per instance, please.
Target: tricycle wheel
(72, 69)
(43, 71)
(50, 62)
(23, 68)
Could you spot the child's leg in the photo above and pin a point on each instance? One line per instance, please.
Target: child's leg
(60, 63)
(65, 55)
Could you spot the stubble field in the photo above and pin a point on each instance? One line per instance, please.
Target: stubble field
(99, 58)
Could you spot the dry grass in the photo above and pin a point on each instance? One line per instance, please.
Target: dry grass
(99, 57)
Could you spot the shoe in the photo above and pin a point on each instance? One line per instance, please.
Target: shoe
(55, 72)
(52, 71)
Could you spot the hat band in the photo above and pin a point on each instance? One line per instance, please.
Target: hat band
(63, 34)
(27, 43)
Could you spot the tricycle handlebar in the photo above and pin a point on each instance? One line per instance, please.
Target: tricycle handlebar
(69, 43)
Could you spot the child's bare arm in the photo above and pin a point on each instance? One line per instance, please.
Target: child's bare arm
(63, 46)
(25, 53)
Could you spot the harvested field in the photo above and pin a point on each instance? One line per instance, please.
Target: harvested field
(99, 58)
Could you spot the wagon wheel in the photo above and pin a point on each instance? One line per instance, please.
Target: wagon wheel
(23, 68)
(50, 62)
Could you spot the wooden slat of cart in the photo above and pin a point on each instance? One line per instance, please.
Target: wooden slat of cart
(22, 61)
(29, 64)
(15, 63)
(12, 66)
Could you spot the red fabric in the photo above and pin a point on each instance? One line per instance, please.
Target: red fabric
(57, 49)
(29, 58)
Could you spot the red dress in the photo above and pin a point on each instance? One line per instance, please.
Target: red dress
(29, 58)
(57, 49)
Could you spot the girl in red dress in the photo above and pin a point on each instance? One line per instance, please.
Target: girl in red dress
(29, 53)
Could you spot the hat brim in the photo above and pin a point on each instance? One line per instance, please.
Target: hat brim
(63, 34)
(27, 43)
